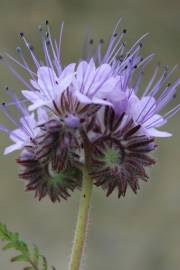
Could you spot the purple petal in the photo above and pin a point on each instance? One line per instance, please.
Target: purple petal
(63, 84)
(81, 70)
(69, 69)
(157, 133)
(100, 101)
(83, 98)
(46, 78)
(12, 148)
(30, 95)
(155, 121)
(37, 104)
(35, 84)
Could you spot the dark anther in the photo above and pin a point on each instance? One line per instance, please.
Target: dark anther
(125, 31)
(169, 84)
(91, 41)
(101, 41)
(47, 42)
(175, 95)
(84, 195)
(56, 82)
(21, 34)
(135, 66)
(140, 45)
(31, 47)
(18, 49)
(82, 145)
(115, 34)
(47, 34)
(1, 57)
(46, 22)
(7, 88)
(32, 140)
(125, 67)
(141, 59)
(3, 103)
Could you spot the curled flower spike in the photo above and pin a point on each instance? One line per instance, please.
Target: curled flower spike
(57, 144)
(47, 155)
(91, 106)
(46, 181)
(120, 155)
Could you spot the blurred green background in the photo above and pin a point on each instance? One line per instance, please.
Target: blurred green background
(138, 232)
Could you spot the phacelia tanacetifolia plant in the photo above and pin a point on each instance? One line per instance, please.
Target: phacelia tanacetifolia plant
(85, 123)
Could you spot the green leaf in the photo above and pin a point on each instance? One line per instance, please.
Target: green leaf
(19, 258)
(9, 245)
(32, 257)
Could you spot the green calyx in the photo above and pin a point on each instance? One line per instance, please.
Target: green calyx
(64, 177)
(111, 157)
(58, 179)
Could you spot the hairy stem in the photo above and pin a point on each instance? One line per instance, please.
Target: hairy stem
(82, 221)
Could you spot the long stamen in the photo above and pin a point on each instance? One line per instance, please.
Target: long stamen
(56, 60)
(30, 49)
(115, 51)
(148, 87)
(25, 65)
(8, 114)
(112, 40)
(4, 129)
(172, 112)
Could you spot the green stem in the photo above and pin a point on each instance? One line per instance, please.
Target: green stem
(33, 265)
(82, 221)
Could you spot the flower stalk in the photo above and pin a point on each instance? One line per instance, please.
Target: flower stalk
(82, 222)
(83, 213)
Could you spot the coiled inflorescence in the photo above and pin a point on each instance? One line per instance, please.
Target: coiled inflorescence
(86, 110)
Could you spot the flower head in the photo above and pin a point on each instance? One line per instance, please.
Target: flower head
(88, 110)
(121, 154)
(44, 179)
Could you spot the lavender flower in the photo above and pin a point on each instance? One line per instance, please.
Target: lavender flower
(94, 101)
(145, 110)
(44, 158)
(26, 128)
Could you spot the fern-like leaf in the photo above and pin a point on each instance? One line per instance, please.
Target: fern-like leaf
(35, 260)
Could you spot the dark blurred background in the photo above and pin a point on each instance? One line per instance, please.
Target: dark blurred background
(138, 232)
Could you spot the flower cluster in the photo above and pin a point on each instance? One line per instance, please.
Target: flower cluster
(89, 112)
